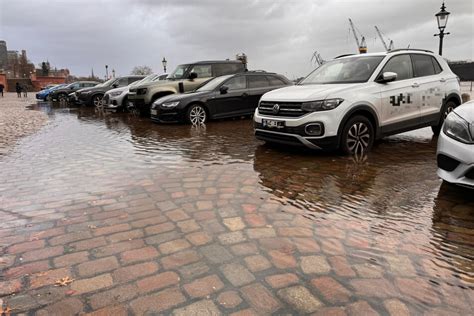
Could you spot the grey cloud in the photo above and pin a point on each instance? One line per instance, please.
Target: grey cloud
(277, 35)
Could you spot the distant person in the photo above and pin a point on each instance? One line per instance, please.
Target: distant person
(18, 89)
(1, 89)
(25, 91)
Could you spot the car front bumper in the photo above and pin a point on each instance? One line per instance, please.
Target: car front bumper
(293, 133)
(166, 115)
(455, 161)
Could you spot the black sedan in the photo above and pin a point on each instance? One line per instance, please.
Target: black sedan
(221, 97)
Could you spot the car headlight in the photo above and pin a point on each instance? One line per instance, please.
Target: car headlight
(458, 128)
(321, 105)
(170, 104)
(141, 91)
(115, 93)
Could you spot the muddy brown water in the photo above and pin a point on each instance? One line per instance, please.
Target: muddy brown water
(387, 213)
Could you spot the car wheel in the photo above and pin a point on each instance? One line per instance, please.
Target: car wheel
(97, 100)
(357, 136)
(47, 98)
(196, 114)
(447, 108)
(62, 98)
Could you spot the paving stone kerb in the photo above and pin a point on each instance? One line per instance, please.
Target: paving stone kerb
(199, 237)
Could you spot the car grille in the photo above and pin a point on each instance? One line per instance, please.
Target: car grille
(470, 174)
(287, 129)
(288, 109)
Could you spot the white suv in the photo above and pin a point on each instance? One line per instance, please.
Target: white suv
(350, 101)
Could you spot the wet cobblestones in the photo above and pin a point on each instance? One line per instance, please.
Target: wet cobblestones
(16, 120)
(175, 219)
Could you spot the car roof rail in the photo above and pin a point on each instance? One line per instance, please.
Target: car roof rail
(343, 55)
(410, 49)
(258, 70)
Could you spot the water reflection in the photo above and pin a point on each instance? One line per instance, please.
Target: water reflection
(453, 226)
(382, 212)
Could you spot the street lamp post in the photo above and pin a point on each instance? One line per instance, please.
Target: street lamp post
(164, 61)
(107, 72)
(442, 18)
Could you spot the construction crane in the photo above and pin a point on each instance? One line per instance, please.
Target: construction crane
(360, 44)
(390, 45)
(316, 59)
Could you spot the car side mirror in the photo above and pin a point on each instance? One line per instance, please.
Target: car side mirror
(387, 76)
(193, 76)
(115, 85)
(223, 89)
(71, 88)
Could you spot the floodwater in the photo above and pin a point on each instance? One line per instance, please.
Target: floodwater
(378, 233)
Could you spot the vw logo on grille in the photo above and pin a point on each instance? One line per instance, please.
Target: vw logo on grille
(276, 108)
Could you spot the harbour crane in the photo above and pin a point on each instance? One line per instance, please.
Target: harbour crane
(360, 44)
(317, 59)
(390, 45)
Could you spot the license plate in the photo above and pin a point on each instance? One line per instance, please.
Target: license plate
(154, 112)
(273, 124)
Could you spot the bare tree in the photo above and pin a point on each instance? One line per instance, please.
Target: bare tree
(142, 70)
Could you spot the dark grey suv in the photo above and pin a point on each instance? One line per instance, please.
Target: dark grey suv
(93, 96)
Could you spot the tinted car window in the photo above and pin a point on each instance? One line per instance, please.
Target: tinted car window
(423, 65)
(258, 82)
(436, 65)
(133, 79)
(274, 81)
(236, 83)
(401, 65)
(227, 69)
(202, 71)
(122, 82)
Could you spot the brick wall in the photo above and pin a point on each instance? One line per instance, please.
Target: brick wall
(3, 80)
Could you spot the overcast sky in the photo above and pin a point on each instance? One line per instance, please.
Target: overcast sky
(277, 35)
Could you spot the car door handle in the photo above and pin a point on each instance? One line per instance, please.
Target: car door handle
(442, 80)
(244, 95)
(415, 85)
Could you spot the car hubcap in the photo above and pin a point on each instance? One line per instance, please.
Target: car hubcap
(197, 115)
(358, 138)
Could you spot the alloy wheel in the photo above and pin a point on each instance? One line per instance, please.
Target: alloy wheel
(358, 138)
(97, 101)
(197, 115)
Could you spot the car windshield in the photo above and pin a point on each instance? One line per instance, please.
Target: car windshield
(144, 80)
(213, 83)
(179, 72)
(58, 86)
(345, 70)
(107, 83)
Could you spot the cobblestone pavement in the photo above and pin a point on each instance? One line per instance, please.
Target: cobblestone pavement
(114, 215)
(14, 122)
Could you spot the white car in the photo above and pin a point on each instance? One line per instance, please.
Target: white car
(116, 99)
(350, 101)
(455, 154)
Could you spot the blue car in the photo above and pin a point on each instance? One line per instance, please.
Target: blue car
(44, 94)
